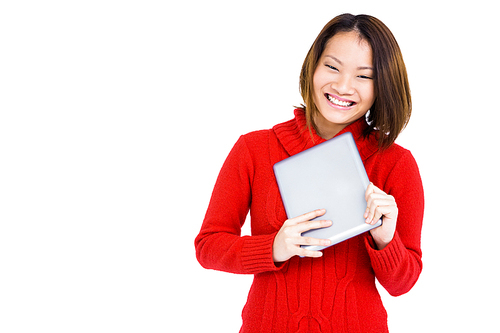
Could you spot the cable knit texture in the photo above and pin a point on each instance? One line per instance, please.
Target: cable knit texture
(334, 293)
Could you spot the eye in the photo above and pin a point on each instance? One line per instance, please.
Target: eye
(365, 77)
(331, 67)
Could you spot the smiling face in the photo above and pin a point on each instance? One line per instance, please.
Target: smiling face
(343, 83)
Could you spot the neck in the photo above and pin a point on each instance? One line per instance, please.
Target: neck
(326, 129)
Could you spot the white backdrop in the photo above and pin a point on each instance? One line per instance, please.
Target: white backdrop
(116, 117)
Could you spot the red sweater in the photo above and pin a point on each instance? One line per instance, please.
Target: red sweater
(334, 293)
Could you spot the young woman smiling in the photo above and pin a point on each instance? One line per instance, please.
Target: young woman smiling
(353, 79)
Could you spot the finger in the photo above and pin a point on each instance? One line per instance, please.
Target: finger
(369, 190)
(378, 199)
(306, 216)
(376, 189)
(310, 225)
(309, 253)
(311, 241)
(372, 202)
(374, 213)
(372, 189)
(372, 219)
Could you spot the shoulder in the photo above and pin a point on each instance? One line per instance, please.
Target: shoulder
(393, 166)
(256, 137)
(403, 180)
(396, 156)
(399, 167)
(260, 144)
(261, 139)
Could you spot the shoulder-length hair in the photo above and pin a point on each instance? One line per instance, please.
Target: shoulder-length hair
(391, 110)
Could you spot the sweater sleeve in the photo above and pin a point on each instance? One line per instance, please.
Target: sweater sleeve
(398, 265)
(219, 244)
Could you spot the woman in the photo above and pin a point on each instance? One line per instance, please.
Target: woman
(353, 79)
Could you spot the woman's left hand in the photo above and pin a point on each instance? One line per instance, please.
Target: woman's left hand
(380, 204)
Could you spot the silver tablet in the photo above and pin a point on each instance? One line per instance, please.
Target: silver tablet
(327, 176)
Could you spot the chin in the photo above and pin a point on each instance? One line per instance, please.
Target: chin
(342, 117)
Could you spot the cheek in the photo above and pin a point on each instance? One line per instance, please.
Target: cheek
(319, 80)
(316, 86)
(368, 94)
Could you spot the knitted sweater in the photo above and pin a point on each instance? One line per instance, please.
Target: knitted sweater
(334, 293)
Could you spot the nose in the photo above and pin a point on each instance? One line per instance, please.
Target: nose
(344, 85)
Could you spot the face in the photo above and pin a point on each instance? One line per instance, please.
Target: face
(343, 83)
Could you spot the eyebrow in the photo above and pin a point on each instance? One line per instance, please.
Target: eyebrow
(340, 62)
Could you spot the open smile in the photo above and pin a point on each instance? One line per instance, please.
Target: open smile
(337, 101)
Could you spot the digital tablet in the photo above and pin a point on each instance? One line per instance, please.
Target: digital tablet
(327, 176)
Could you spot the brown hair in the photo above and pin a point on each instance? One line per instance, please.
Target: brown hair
(391, 110)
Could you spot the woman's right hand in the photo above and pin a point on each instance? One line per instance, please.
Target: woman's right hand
(288, 240)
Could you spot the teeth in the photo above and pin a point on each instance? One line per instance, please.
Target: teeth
(338, 102)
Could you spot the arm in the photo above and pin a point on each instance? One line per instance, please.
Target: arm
(219, 244)
(398, 262)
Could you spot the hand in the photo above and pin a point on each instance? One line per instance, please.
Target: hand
(380, 204)
(288, 240)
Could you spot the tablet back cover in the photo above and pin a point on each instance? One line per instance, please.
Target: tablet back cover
(330, 175)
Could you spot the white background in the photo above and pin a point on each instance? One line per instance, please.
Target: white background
(116, 117)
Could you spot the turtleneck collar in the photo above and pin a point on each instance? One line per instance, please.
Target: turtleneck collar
(295, 136)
